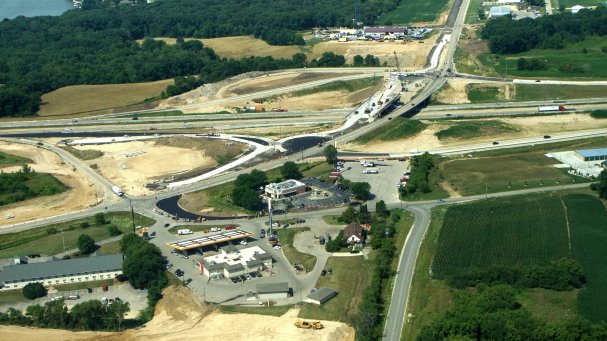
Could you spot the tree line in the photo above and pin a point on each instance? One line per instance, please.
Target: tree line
(507, 36)
(87, 315)
(421, 167)
(493, 313)
(369, 322)
(98, 43)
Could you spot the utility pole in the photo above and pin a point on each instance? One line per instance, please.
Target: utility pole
(132, 215)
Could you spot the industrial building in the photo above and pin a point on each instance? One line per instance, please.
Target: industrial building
(232, 262)
(55, 271)
(273, 291)
(499, 11)
(598, 154)
(321, 296)
(285, 189)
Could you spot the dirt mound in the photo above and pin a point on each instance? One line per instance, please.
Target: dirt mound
(182, 316)
(211, 147)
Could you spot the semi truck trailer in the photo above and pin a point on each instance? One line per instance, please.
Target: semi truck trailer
(117, 191)
(549, 108)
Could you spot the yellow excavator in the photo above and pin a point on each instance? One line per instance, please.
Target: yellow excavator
(308, 324)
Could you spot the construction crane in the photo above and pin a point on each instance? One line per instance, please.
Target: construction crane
(400, 76)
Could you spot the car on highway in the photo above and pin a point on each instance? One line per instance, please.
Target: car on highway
(262, 233)
(547, 136)
(495, 143)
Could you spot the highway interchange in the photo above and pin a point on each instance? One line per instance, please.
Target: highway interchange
(146, 204)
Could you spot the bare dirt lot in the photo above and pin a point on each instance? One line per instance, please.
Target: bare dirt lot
(181, 316)
(131, 165)
(412, 55)
(272, 82)
(82, 192)
(529, 126)
(89, 98)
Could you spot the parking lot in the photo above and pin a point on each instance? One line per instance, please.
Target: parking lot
(384, 183)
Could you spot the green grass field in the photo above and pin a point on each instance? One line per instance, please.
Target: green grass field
(10, 159)
(598, 114)
(428, 297)
(47, 240)
(349, 86)
(507, 172)
(349, 278)
(286, 237)
(588, 220)
(502, 232)
(472, 14)
(470, 129)
(593, 62)
(36, 185)
(537, 92)
(399, 128)
(482, 94)
(571, 3)
(414, 11)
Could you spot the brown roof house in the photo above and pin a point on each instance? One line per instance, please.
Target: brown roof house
(353, 233)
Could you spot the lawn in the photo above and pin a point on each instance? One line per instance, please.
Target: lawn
(515, 231)
(471, 129)
(89, 98)
(349, 278)
(588, 218)
(399, 128)
(414, 11)
(428, 297)
(48, 240)
(286, 236)
(592, 62)
(10, 160)
(550, 305)
(507, 172)
(332, 220)
(110, 248)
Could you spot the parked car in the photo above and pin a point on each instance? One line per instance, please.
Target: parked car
(167, 225)
(243, 242)
(187, 281)
(277, 247)
(262, 233)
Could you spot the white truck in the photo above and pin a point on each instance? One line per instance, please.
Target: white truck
(117, 190)
(549, 108)
(367, 163)
(184, 232)
(371, 171)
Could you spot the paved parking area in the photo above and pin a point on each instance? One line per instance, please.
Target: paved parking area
(383, 184)
(328, 195)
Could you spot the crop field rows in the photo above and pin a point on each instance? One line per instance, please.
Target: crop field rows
(529, 230)
(497, 233)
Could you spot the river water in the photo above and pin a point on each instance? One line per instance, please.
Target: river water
(30, 8)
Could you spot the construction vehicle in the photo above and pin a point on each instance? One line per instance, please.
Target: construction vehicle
(308, 325)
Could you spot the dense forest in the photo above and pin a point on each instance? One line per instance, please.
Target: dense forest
(98, 43)
(508, 36)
